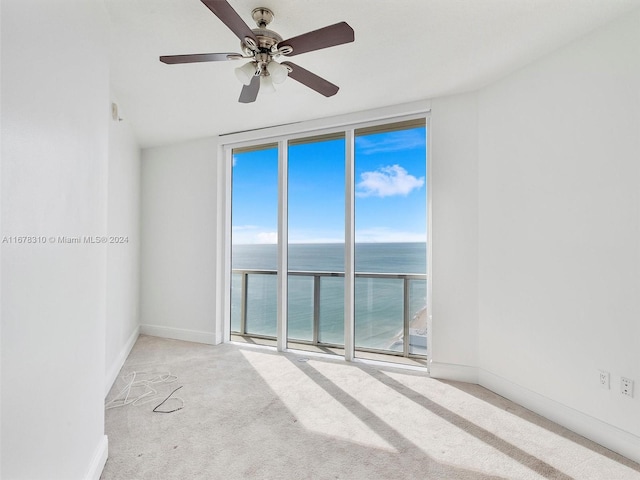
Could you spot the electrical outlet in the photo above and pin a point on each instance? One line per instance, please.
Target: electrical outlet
(626, 386)
(604, 379)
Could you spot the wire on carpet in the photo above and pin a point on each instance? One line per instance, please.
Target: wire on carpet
(168, 397)
(140, 390)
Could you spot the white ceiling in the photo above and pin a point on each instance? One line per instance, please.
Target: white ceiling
(405, 50)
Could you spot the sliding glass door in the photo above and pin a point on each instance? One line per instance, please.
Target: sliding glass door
(390, 238)
(254, 213)
(387, 169)
(316, 167)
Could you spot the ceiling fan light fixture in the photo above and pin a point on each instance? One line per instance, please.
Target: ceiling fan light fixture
(266, 84)
(277, 72)
(246, 72)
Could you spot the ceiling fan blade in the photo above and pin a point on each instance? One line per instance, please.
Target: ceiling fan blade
(250, 92)
(312, 80)
(230, 18)
(199, 57)
(323, 38)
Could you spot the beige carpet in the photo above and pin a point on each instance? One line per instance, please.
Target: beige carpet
(249, 413)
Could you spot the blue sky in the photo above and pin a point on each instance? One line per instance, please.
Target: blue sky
(390, 173)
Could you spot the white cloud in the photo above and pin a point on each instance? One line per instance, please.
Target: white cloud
(387, 181)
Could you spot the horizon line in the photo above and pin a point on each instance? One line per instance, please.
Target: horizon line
(326, 243)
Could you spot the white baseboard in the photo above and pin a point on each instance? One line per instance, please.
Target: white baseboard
(179, 334)
(99, 460)
(114, 370)
(614, 438)
(449, 371)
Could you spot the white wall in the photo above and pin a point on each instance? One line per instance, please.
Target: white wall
(559, 232)
(178, 266)
(454, 171)
(55, 109)
(123, 259)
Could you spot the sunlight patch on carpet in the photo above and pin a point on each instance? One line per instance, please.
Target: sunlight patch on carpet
(311, 405)
(428, 430)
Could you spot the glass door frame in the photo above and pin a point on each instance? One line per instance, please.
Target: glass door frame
(282, 136)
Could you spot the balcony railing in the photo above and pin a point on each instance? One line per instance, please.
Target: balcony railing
(409, 340)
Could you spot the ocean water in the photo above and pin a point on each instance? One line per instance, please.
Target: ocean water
(379, 302)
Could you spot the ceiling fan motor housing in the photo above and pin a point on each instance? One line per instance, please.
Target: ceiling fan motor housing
(267, 39)
(265, 48)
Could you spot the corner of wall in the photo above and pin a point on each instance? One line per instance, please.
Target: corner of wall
(98, 460)
(458, 373)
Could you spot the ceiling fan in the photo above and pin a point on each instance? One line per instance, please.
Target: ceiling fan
(263, 46)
